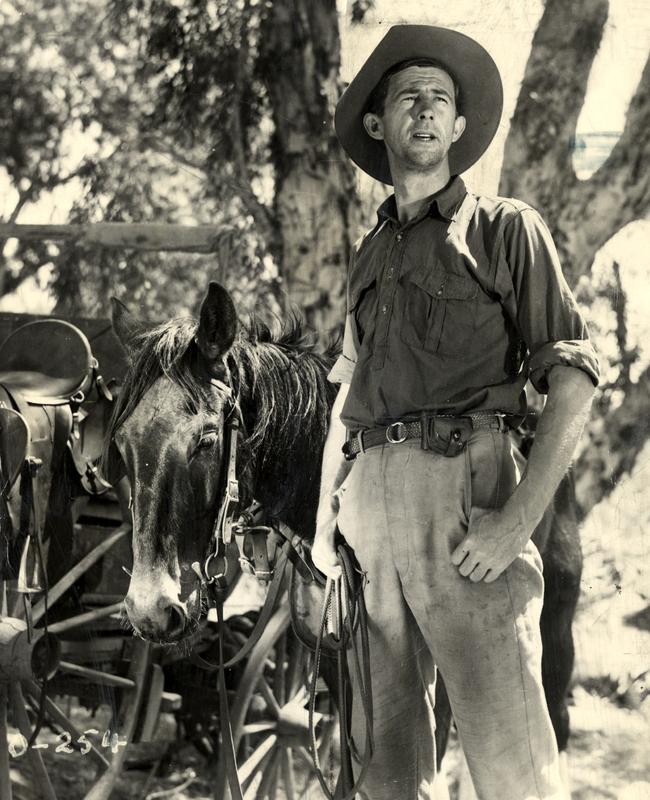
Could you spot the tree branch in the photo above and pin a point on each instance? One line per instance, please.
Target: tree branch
(165, 147)
(615, 441)
(23, 198)
(258, 211)
(627, 355)
(538, 166)
(619, 192)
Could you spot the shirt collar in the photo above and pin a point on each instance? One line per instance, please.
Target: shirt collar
(445, 202)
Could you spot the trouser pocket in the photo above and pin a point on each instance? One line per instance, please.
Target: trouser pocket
(490, 475)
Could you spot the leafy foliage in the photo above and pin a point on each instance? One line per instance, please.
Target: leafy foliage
(163, 104)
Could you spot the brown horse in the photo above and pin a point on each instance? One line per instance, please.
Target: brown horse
(168, 430)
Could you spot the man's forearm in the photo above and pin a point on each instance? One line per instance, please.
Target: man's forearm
(496, 537)
(558, 431)
(334, 468)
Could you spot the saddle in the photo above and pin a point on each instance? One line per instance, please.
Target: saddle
(47, 371)
(49, 362)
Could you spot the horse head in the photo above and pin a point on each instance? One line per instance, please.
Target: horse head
(168, 435)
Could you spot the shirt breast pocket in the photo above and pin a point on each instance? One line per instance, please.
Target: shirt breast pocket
(439, 310)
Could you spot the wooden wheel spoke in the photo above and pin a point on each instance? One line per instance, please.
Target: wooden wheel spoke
(327, 732)
(137, 673)
(305, 756)
(269, 777)
(296, 668)
(279, 676)
(273, 789)
(57, 716)
(300, 696)
(41, 776)
(62, 586)
(97, 676)
(287, 775)
(84, 619)
(254, 760)
(5, 780)
(253, 790)
(259, 727)
(267, 694)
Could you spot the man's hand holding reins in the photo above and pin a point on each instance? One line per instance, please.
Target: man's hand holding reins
(323, 554)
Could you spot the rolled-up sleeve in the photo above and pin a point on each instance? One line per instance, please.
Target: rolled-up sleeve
(344, 365)
(547, 314)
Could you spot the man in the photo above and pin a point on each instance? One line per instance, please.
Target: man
(454, 301)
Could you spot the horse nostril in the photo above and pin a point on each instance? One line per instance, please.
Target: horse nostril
(177, 620)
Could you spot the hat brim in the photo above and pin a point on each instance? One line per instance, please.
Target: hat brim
(470, 64)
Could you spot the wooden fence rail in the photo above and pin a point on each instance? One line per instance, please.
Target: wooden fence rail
(128, 235)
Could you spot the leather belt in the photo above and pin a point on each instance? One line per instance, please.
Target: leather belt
(448, 441)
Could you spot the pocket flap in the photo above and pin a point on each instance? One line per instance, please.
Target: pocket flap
(457, 287)
(443, 285)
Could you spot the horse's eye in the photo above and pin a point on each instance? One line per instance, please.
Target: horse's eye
(207, 440)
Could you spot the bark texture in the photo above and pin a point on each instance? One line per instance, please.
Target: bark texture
(316, 204)
(583, 215)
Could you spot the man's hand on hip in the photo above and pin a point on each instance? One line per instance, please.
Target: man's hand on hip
(495, 537)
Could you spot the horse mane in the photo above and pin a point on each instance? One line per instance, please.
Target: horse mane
(278, 375)
(284, 377)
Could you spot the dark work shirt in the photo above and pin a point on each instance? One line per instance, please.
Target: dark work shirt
(454, 310)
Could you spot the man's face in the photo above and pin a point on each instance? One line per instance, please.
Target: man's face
(419, 123)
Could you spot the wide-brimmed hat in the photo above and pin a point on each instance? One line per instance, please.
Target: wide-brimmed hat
(470, 65)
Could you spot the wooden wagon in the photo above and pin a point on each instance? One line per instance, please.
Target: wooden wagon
(64, 646)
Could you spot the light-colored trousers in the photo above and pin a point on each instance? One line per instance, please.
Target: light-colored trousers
(404, 510)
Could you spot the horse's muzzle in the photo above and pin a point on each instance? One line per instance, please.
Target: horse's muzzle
(160, 620)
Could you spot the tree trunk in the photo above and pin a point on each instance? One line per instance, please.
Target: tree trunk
(537, 164)
(315, 199)
(582, 215)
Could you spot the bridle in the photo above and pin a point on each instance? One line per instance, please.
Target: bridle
(214, 569)
(250, 527)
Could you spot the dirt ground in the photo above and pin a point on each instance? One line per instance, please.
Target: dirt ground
(609, 753)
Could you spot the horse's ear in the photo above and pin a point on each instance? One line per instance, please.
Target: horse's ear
(127, 328)
(217, 323)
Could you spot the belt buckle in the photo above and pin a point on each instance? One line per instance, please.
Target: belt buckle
(400, 434)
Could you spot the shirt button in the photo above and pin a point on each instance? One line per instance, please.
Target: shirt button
(390, 272)
(384, 309)
(439, 292)
(399, 237)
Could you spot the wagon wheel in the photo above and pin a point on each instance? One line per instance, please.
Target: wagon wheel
(269, 715)
(107, 753)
